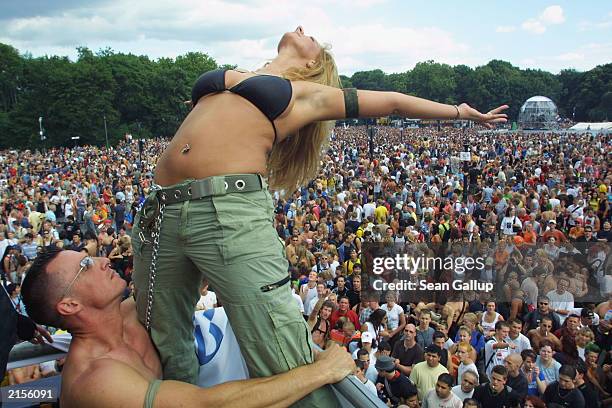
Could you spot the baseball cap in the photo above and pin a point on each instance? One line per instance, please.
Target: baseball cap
(552, 222)
(366, 337)
(385, 363)
(588, 313)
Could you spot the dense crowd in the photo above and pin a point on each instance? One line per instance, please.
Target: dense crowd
(536, 206)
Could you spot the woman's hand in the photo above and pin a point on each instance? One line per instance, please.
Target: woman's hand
(466, 112)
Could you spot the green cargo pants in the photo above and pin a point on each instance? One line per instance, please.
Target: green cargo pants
(228, 239)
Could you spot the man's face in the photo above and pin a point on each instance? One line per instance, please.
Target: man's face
(443, 390)
(544, 306)
(562, 285)
(529, 363)
(468, 383)
(366, 359)
(320, 289)
(502, 333)
(409, 332)
(312, 277)
(413, 402)
(433, 359)
(546, 353)
(511, 365)
(566, 383)
(590, 358)
(343, 305)
(96, 285)
(425, 320)
(572, 323)
(497, 382)
(388, 375)
(515, 329)
(340, 282)
(439, 341)
(326, 312)
(356, 284)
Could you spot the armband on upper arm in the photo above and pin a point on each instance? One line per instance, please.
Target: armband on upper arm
(351, 103)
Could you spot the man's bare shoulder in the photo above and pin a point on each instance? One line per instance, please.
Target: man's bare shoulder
(107, 382)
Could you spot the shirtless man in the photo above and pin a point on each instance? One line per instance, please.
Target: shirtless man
(604, 307)
(543, 332)
(112, 361)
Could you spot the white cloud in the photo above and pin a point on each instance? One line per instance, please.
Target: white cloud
(569, 57)
(533, 26)
(160, 28)
(604, 24)
(505, 29)
(552, 15)
(582, 58)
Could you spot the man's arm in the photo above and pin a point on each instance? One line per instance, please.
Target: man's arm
(111, 383)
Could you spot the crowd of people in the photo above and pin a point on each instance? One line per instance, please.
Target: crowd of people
(535, 205)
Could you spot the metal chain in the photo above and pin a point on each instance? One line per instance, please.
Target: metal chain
(155, 233)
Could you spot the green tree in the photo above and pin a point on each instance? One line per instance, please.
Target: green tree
(433, 81)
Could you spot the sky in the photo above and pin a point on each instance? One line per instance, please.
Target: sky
(364, 34)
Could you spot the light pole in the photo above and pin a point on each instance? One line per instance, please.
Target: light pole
(42, 131)
(105, 132)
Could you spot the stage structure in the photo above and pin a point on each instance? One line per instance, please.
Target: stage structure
(538, 113)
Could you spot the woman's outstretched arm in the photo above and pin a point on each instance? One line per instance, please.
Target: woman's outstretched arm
(318, 102)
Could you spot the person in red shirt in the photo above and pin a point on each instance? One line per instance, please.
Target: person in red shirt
(344, 310)
(553, 232)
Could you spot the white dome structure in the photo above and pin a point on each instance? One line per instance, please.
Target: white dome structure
(538, 112)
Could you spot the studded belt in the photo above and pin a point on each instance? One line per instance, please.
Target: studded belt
(211, 186)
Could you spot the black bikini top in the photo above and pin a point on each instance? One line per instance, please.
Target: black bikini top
(269, 93)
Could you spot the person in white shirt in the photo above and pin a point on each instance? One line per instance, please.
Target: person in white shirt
(324, 265)
(465, 390)
(520, 341)
(297, 298)
(561, 301)
(395, 314)
(208, 299)
(368, 209)
(510, 221)
(442, 396)
(464, 350)
(360, 374)
(321, 293)
(576, 211)
(497, 348)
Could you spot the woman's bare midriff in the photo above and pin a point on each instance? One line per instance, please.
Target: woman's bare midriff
(225, 133)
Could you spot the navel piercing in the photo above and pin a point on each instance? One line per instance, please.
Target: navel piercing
(186, 148)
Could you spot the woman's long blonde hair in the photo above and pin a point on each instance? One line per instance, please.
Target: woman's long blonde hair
(296, 160)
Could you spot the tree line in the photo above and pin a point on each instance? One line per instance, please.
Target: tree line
(126, 93)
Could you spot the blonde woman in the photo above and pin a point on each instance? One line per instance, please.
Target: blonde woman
(210, 212)
(464, 359)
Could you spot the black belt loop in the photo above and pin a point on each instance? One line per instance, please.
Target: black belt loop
(267, 288)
